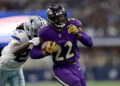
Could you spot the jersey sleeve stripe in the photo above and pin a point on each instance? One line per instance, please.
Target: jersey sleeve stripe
(15, 37)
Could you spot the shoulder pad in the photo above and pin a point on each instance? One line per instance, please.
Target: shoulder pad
(75, 22)
(18, 34)
(74, 19)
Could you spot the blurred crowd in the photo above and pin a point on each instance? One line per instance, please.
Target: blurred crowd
(100, 57)
(99, 17)
(100, 63)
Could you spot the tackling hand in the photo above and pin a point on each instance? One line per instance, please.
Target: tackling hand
(35, 41)
(51, 48)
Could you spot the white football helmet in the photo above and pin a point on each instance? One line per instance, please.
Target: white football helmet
(32, 24)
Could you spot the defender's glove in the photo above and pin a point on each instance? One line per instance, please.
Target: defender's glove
(72, 29)
(35, 41)
(51, 47)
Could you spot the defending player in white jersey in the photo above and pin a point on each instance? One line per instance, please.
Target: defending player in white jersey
(15, 54)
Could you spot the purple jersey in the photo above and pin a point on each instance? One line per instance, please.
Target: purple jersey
(67, 51)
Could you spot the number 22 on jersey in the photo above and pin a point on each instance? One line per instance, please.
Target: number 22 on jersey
(68, 54)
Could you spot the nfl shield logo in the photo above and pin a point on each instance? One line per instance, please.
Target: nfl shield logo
(59, 35)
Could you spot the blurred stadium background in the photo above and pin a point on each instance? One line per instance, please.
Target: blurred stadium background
(101, 20)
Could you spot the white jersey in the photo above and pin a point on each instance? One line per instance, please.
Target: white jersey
(9, 61)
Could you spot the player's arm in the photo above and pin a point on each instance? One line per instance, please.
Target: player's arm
(76, 28)
(84, 39)
(36, 52)
(43, 49)
(19, 48)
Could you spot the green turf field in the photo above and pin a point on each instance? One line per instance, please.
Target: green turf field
(89, 83)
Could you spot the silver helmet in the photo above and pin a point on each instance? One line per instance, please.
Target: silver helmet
(32, 24)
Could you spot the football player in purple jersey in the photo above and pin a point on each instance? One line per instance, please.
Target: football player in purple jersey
(65, 54)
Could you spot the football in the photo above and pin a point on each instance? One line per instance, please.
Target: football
(44, 45)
